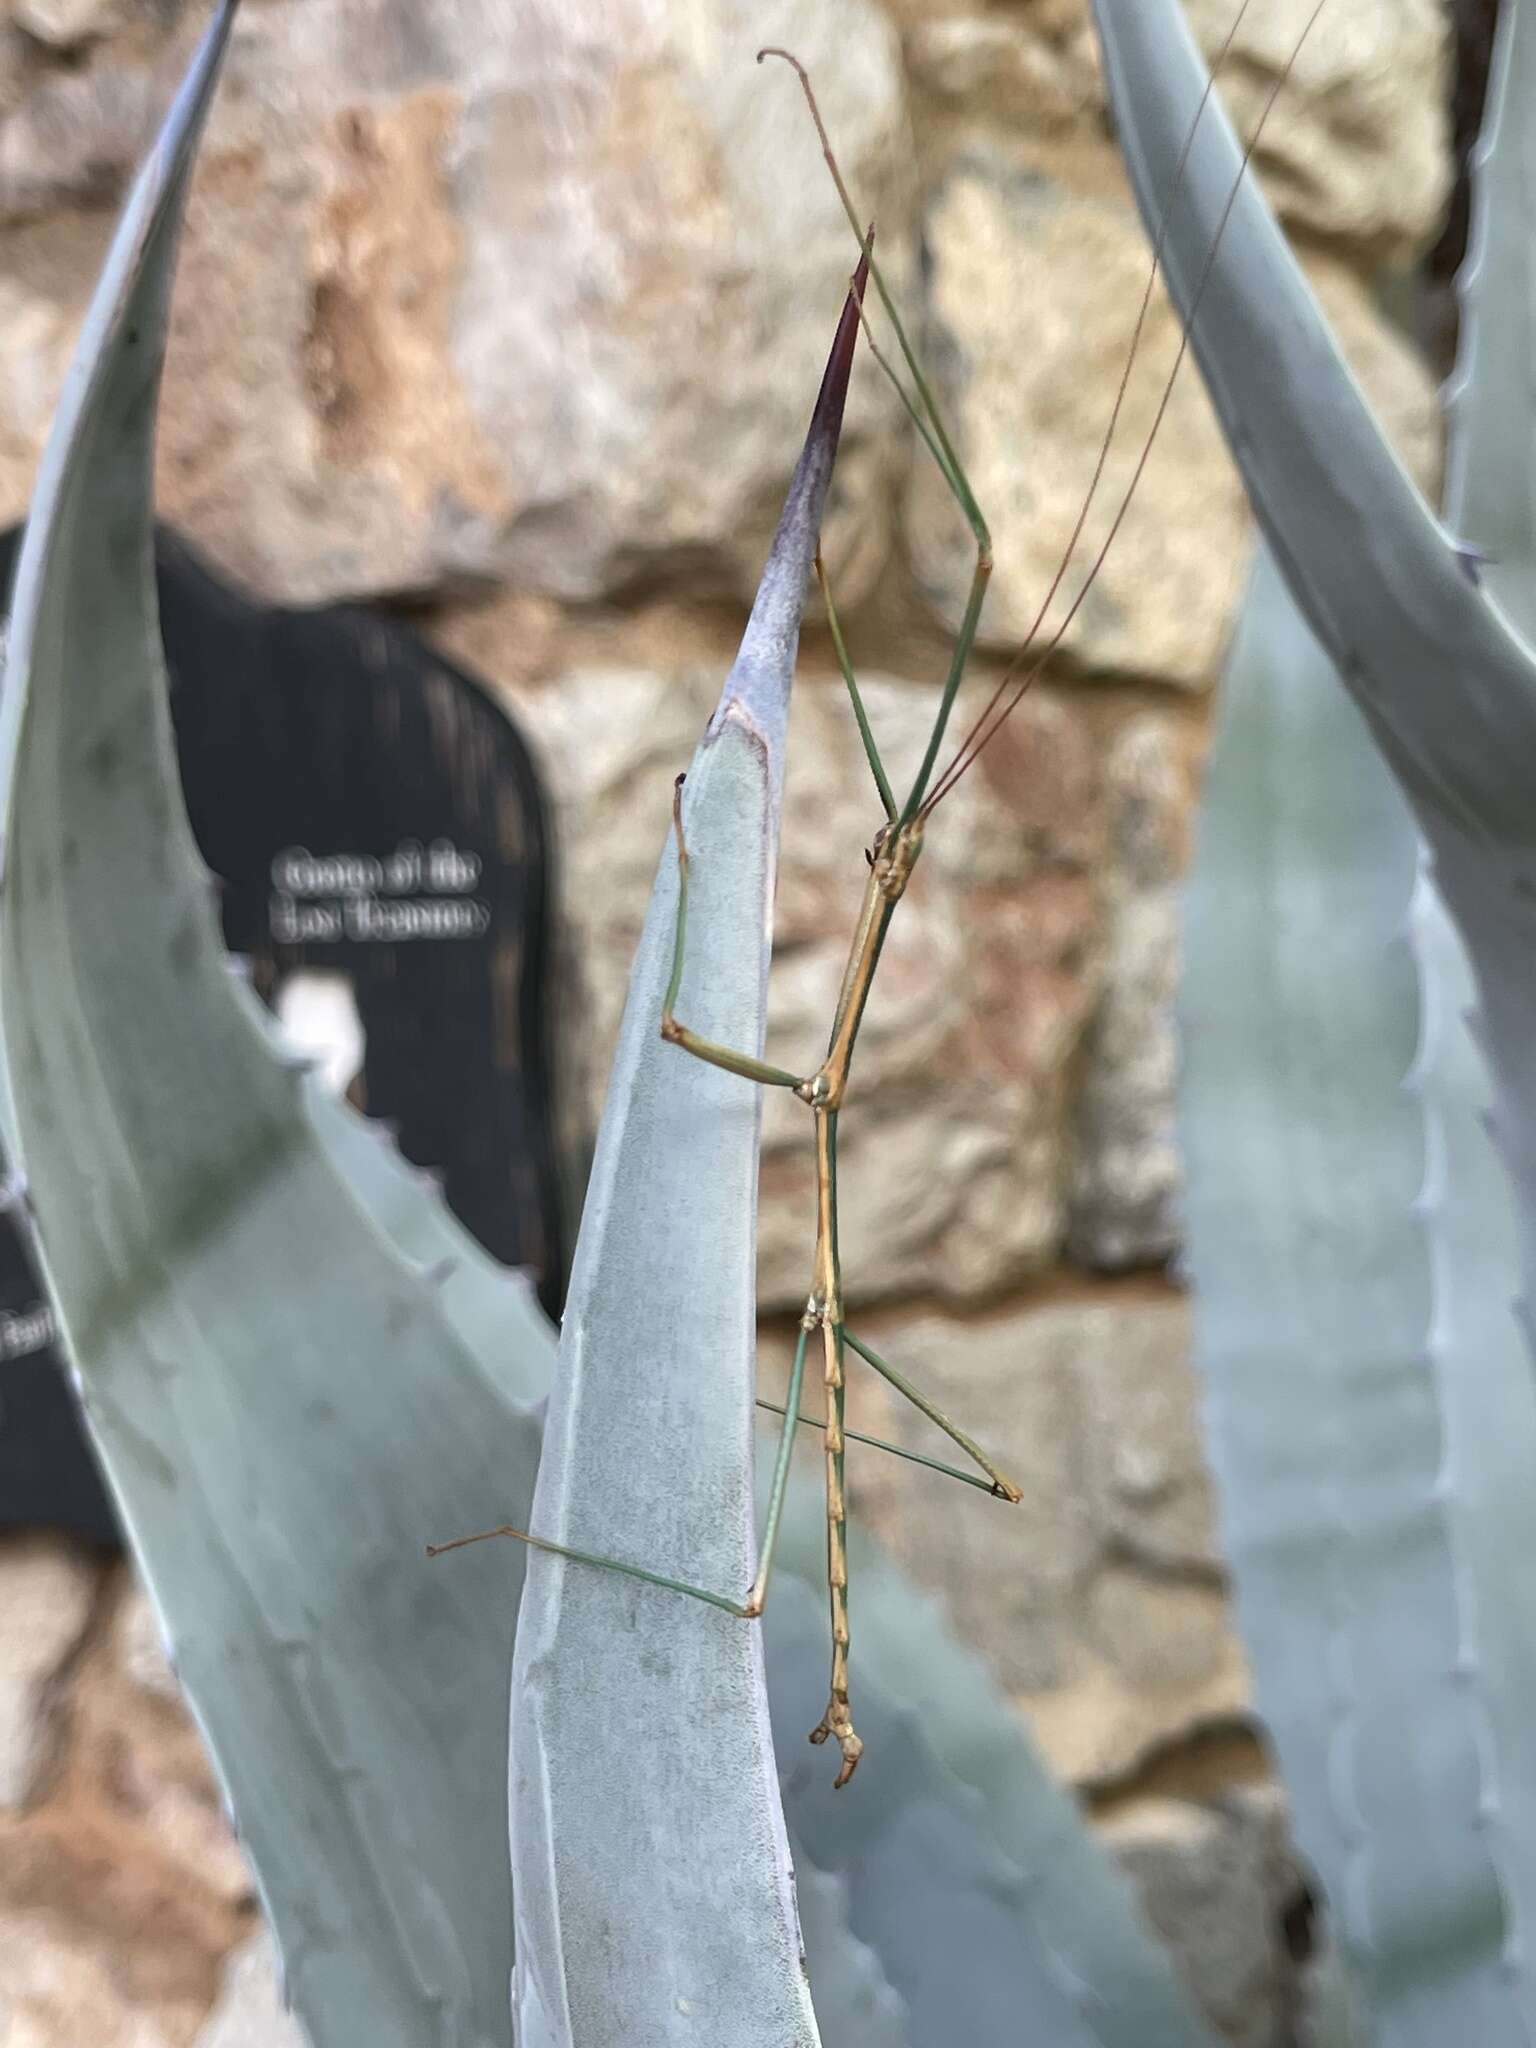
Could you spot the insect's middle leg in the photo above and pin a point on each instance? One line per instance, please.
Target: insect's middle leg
(746, 1064)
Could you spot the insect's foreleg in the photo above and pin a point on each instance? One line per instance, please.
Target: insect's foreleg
(925, 415)
(952, 682)
(1002, 1485)
(924, 411)
(871, 751)
(944, 453)
(743, 1063)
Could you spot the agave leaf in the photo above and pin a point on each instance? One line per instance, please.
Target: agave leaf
(1319, 1342)
(1430, 645)
(1437, 673)
(651, 1875)
(972, 1875)
(1446, 683)
(940, 1904)
(1488, 1410)
(854, 2000)
(1492, 456)
(1487, 1392)
(278, 1361)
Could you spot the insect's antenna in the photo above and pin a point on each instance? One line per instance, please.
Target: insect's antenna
(1175, 189)
(991, 718)
(922, 410)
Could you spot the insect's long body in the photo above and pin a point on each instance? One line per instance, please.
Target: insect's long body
(891, 862)
(892, 858)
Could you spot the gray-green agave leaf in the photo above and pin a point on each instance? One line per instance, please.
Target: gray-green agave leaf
(650, 1869)
(1427, 637)
(1446, 683)
(854, 1999)
(281, 1339)
(1488, 1392)
(972, 1874)
(1349, 1378)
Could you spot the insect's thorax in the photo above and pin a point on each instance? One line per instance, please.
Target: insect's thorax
(893, 857)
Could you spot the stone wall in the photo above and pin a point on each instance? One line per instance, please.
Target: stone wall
(510, 311)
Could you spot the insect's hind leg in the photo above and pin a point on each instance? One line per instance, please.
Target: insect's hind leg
(746, 1064)
(1002, 1485)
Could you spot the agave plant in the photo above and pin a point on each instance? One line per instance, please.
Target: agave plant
(299, 1370)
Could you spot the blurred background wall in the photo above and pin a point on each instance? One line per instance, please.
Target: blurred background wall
(508, 314)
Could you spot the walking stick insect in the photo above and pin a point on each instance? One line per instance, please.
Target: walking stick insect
(891, 859)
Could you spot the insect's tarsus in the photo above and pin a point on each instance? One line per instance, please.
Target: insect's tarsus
(679, 1034)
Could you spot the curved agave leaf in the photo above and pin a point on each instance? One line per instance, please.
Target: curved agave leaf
(972, 1875)
(1431, 647)
(291, 1389)
(1487, 1391)
(940, 1904)
(1447, 685)
(1489, 500)
(650, 1870)
(854, 2000)
(1438, 674)
(1488, 1410)
(1310, 1250)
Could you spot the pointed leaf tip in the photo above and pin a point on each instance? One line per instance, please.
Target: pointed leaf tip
(827, 419)
(763, 670)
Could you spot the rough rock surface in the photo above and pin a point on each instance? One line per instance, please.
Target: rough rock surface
(1355, 147)
(1038, 271)
(66, 24)
(1035, 292)
(46, 1590)
(121, 1886)
(55, 1993)
(1219, 1884)
(486, 250)
(1126, 1174)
